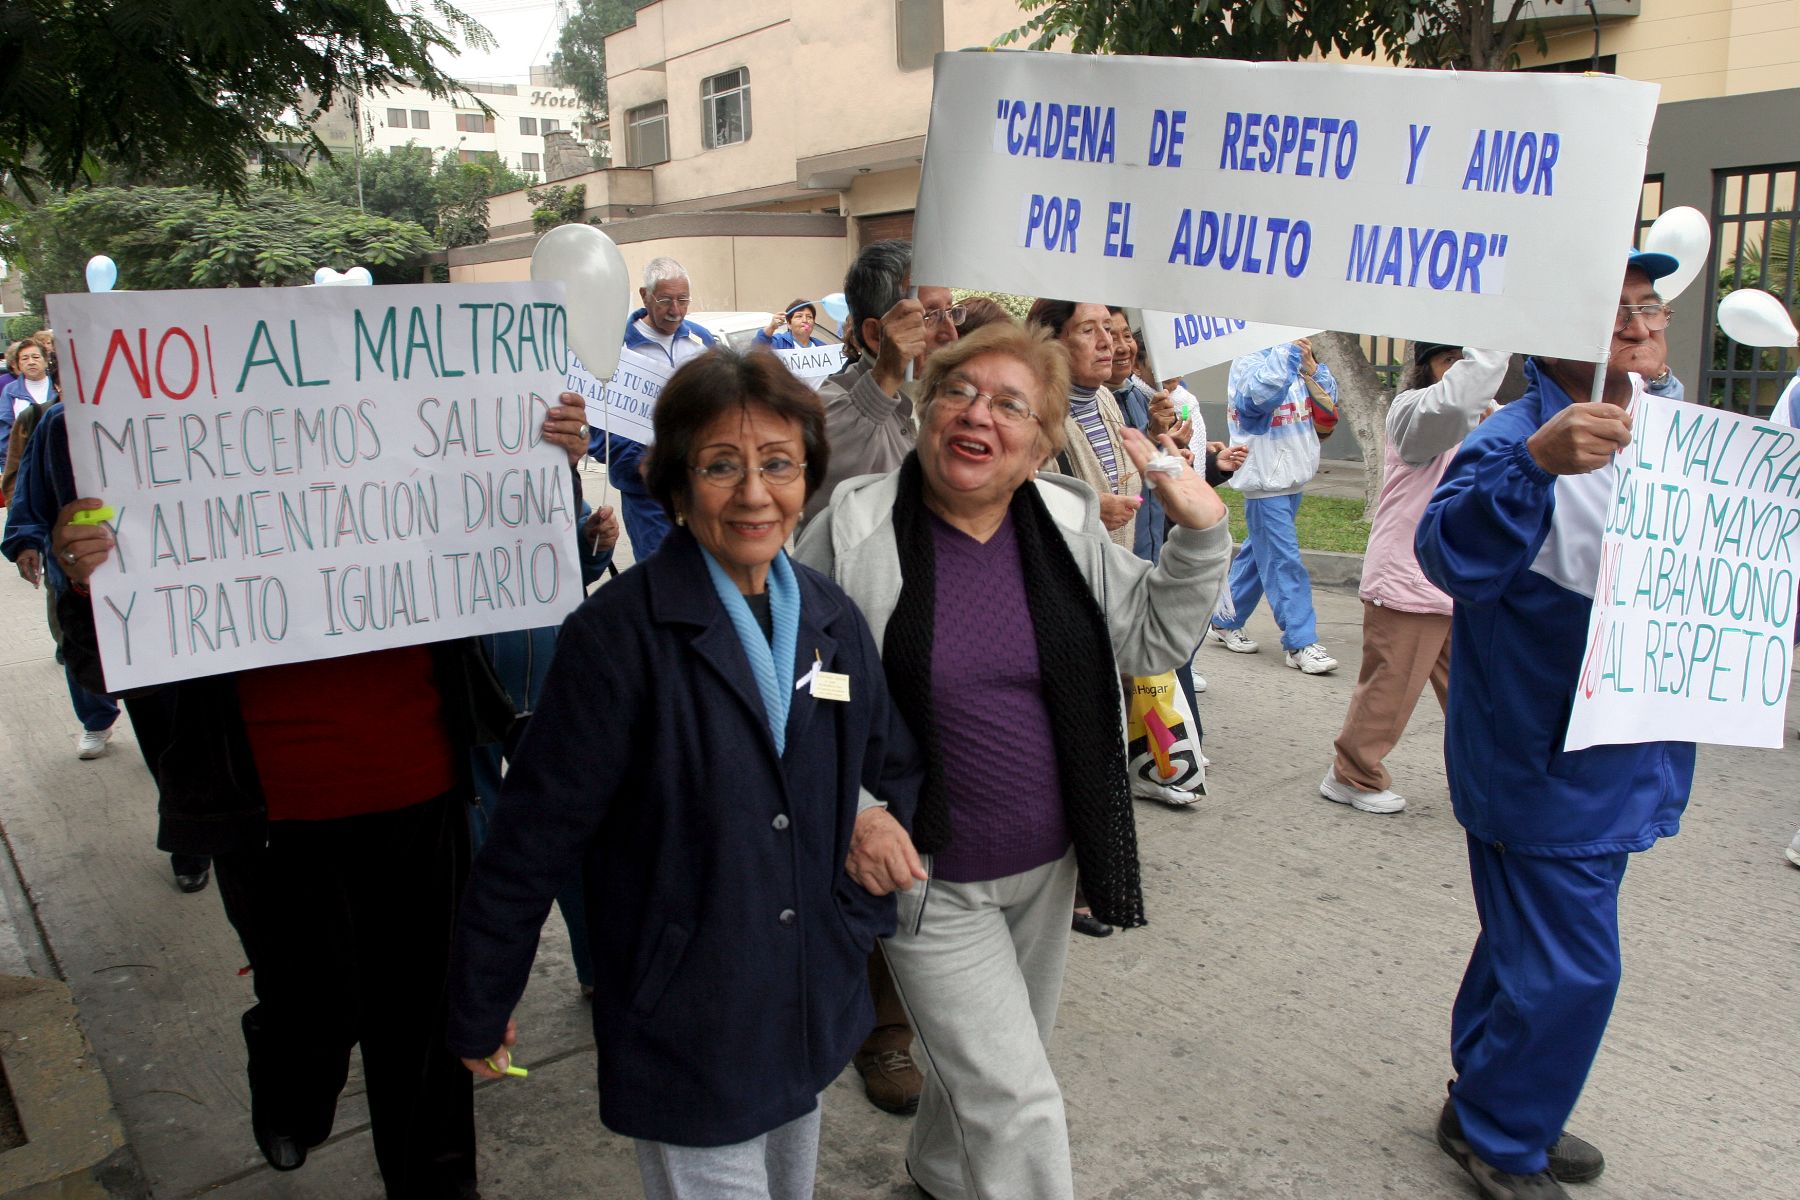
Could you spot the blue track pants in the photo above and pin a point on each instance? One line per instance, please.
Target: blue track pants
(1535, 998)
(1269, 560)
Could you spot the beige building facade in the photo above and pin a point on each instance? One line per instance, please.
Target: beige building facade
(786, 136)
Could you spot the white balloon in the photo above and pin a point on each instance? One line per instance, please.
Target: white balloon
(597, 289)
(324, 276)
(1754, 318)
(1683, 234)
(359, 277)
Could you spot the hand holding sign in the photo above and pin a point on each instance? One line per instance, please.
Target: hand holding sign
(902, 342)
(80, 547)
(1581, 438)
(1185, 496)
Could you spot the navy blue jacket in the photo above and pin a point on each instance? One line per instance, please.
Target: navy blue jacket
(1519, 551)
(731, 946)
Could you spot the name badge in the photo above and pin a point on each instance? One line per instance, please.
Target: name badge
(829, 685)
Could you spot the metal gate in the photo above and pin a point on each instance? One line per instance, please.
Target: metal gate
(1754, 212)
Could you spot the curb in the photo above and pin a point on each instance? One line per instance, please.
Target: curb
(1333, 568)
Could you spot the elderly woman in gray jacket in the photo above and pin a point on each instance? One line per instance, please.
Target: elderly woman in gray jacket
(1005, 614)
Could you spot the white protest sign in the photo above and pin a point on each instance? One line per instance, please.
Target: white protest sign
(813, 364)
(1181, 343)
(1481, 208)
(624, 403)
(1692, 630)
(305, 473)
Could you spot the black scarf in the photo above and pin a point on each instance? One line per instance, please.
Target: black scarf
(1080, 682)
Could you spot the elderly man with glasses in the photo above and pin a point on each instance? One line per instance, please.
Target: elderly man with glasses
(869, 421)
(1513, 535)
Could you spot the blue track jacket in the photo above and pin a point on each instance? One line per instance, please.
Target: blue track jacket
(1519, 551)
(620, 453)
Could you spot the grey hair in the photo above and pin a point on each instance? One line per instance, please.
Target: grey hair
(661, 270)
(875, 282)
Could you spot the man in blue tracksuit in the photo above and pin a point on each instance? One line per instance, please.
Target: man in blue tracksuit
(659, 334)
(1270, 409)
(1513, 535)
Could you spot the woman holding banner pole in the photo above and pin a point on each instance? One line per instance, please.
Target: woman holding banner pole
(332, 795)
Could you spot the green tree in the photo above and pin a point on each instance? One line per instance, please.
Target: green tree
(1421, 33)
(411, 183)
(206, 83)
(164, 238)
(556, 204)
(580, 57)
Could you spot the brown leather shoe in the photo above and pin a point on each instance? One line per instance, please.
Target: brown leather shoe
(891, 1080)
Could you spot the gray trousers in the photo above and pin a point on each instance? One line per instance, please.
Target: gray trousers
(980, 969)
(779, 1165)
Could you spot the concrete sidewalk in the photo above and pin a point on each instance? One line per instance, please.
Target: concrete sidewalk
(1279, 1031)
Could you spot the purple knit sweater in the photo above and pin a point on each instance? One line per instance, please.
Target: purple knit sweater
(1000, 777)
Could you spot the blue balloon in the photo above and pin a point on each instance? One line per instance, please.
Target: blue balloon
(835, 306)
(102, 273)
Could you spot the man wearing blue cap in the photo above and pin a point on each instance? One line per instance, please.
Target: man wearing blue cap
(1513, 535)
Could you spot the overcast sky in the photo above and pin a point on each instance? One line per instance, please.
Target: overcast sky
(525, 31)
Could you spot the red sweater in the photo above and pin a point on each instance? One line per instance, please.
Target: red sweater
(340, 737)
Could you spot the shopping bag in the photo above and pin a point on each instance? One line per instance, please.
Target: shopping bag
(1165, 763)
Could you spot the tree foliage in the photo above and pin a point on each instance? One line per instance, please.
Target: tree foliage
(164, 238)
(412, 183)
(207, 83)
(1420, 33)
(580, 58)
(557, 204)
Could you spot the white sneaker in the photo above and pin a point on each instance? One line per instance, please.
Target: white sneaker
(1199, 684)
(1311, 660)
(1234, 640)
(1793, 850)
(1386, 801)
(93, 743)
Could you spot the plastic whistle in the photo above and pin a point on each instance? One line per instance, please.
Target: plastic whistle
(511, 1070)
(93, 516)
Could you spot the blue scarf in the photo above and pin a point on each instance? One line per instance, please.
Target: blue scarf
(765, 660)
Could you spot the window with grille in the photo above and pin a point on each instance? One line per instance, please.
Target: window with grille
(421, 119)
(396, 118)
(647, 134)
(1754, 212)
(529, 161)
(725, 108)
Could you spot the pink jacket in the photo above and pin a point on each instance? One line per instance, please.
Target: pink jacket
(1425, 428)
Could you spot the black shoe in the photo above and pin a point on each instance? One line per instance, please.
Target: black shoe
(1091, 925)
(1574, 1160)
(282, 1152)
(193, 883)
(1490, 1181)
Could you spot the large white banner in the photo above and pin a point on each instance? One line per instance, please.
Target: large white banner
(1484, 208)
(1182, 343)
(1692, 631)
(302, 473)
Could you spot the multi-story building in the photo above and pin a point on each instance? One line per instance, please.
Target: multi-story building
(763, 142)
(514, 132)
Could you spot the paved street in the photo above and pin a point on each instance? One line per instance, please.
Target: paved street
(1279, 1030)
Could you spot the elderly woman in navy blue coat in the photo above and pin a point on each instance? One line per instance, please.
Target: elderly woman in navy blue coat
(714, 748)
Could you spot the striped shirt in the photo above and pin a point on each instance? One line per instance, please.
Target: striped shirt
(1084, 406)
